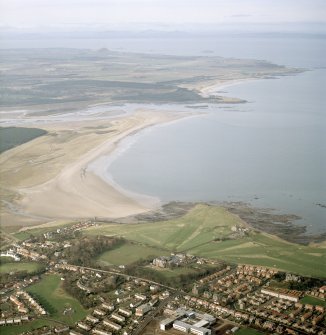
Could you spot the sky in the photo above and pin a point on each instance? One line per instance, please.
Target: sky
(120, 14)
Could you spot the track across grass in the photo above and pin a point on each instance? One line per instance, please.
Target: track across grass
(128, 253)
(55, 300)
(206, 230)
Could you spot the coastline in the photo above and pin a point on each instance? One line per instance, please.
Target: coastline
(83, 189)
(68, 195)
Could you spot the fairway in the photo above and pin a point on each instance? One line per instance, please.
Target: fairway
(129, 253)
(267, 250)
(18, 266)
(55, 300)
(201, 225)
(205, 231)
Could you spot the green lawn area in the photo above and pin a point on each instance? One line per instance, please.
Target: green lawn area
(23, 235)
(200, 225)
(19, 266)
(55, 300)
(248, 331)
(313, 301)
(129, 253)
(27, 326)
(174, 272)
(196, 233)
(267, 250)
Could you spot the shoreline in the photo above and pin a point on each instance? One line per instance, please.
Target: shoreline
(98, 194)
(83, 190)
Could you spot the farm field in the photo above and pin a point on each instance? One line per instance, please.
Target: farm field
(129, 253)
(205, 231)
(55, 300)
(19, 266)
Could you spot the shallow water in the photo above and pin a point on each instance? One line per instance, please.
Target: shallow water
(270, 152)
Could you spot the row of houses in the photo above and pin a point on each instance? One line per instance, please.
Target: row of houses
(32, 302)
(282, 293)
(14, 321)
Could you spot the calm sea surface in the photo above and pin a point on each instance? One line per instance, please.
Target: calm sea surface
(270, 152)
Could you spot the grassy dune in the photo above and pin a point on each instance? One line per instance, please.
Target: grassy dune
(197, 231)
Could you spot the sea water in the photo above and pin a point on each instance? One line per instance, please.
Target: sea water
(269, 152)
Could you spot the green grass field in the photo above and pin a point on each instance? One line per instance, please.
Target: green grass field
(23, 235)
(55, 300)
(19, 266)
(197, 231)
(248, 331)
(28, 326)
(199, 226)
(129, 253)
(174, 272)
(313, 301)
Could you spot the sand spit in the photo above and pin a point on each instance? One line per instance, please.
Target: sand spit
(75, 190)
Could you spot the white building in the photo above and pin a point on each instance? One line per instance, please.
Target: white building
(182, 326)
(166, 323)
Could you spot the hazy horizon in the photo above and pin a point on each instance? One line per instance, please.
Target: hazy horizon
(35, 16)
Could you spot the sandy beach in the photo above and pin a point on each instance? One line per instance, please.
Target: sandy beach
(63, 175)
(68, 181)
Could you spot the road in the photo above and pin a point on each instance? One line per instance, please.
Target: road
(125, 276)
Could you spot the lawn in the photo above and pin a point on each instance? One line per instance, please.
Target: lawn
(23, 235)
(19, 266)
(175, 272)
(197, 231)
(19, 329)
(128, 253)
(55, 300)
(313, 301)
(248, 331)
(267, 250)
(200, 225)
